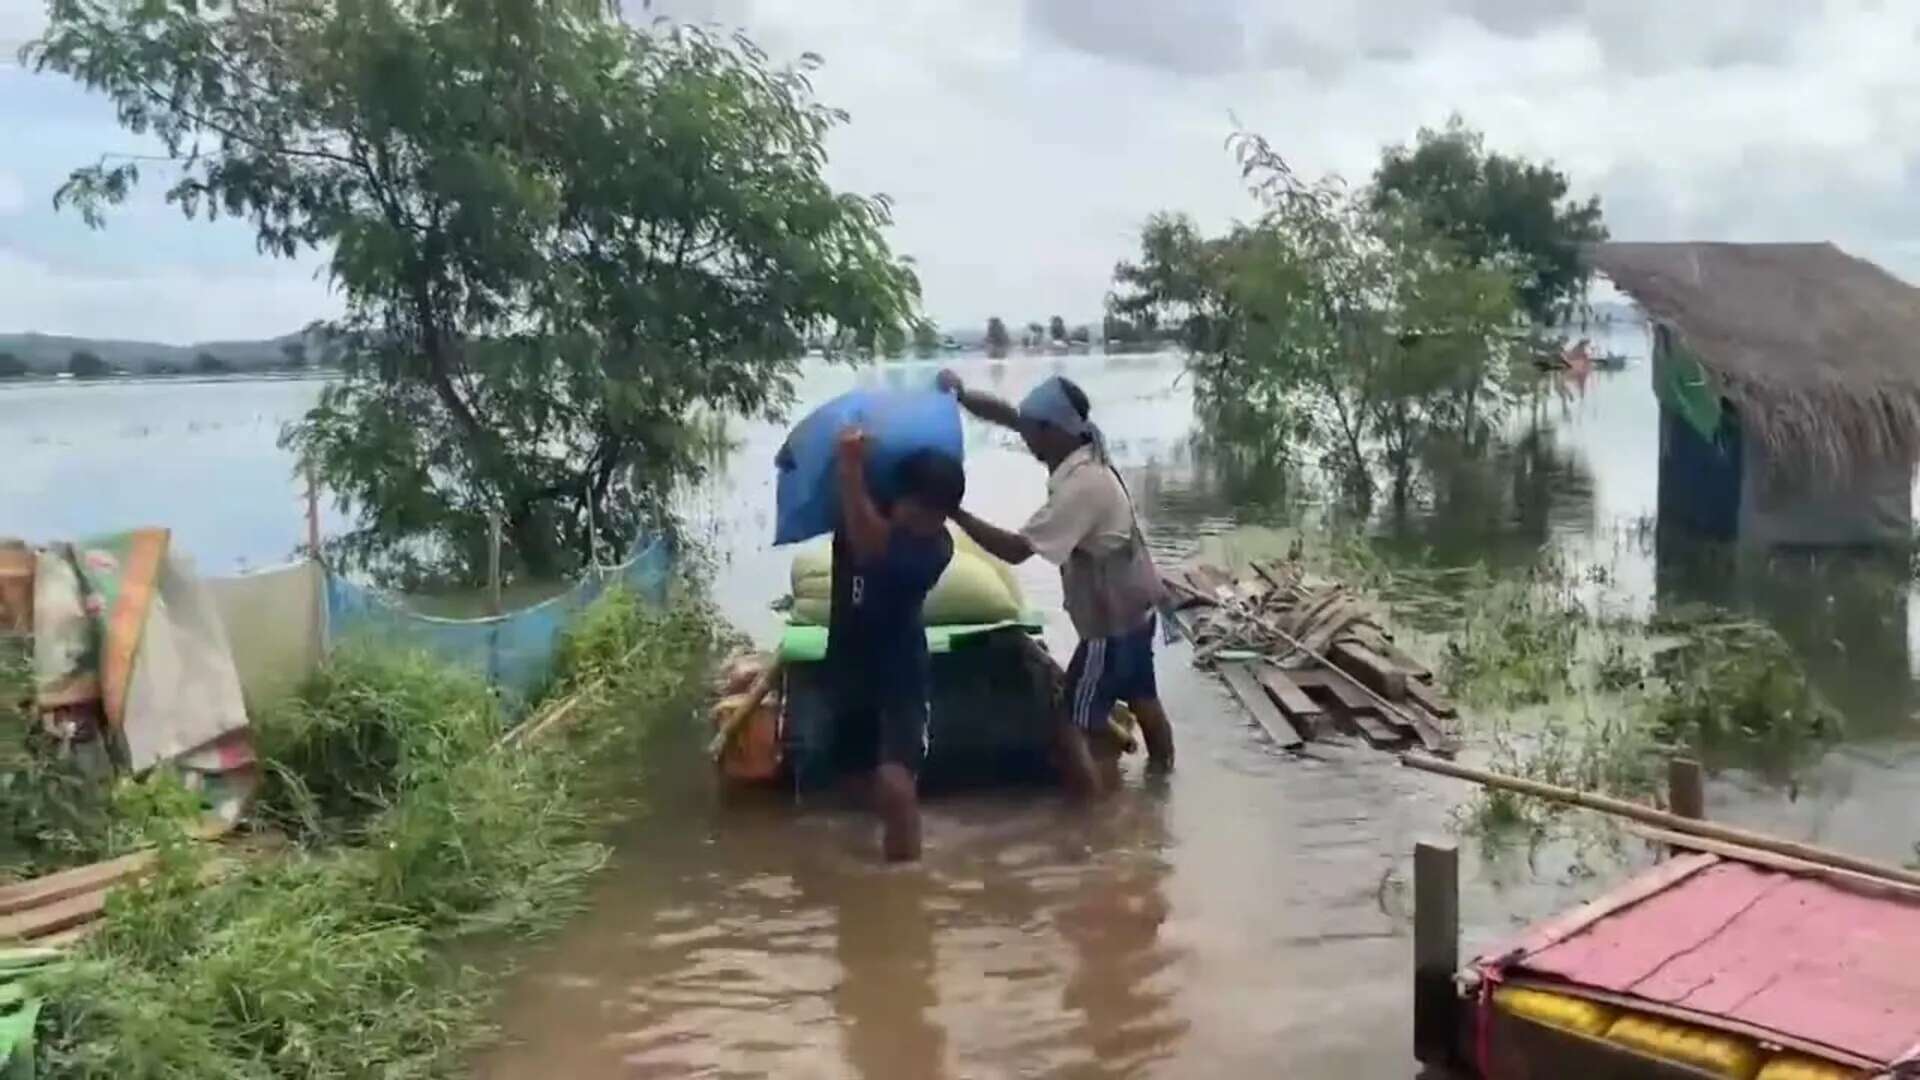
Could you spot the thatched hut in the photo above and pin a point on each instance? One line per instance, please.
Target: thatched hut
(1789, 384)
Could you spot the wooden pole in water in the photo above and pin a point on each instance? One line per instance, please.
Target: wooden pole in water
(1686, 788)
(1436, 951)
(493, 561)
(1660, 819)
(313, 511)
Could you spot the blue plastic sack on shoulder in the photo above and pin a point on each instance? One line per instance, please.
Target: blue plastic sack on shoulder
(898, 423)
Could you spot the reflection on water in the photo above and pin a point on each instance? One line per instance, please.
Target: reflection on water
(1248, 918)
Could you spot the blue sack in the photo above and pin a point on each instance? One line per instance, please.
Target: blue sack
(898, 423)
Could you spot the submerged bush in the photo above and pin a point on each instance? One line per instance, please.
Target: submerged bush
(52, 813)
(1517, 644)
(322, 960)
(1737, 687)
(363, 728)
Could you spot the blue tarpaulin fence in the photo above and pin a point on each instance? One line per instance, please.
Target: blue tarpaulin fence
(515, 650)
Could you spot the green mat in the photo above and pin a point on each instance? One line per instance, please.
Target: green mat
(807, 644)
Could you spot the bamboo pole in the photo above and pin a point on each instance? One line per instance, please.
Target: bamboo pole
(1647, 815)
(1847, 879)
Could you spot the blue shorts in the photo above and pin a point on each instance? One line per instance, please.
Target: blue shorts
(1110, 669)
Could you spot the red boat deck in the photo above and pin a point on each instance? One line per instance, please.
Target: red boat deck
(1729, 943)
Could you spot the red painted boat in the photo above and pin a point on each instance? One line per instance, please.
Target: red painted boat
(1755, 968)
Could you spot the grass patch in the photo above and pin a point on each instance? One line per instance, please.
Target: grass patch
(408, 830)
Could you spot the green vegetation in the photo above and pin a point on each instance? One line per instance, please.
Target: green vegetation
(997, 339)
(408, 830)
(208, 364)
(926, 338)
(51, 813)
(1498, 211)
(1329, 326)
(12, 367)
(1600, 702)
(87, 365)
(557, 236)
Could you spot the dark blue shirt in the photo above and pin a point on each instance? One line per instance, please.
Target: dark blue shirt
(876, 636)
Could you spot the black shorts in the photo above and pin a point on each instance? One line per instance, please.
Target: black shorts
(870, 730)
(1110, 669)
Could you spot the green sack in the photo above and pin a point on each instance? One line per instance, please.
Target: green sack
(975, 589)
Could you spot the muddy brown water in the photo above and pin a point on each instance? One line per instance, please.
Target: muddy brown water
(1246, 917)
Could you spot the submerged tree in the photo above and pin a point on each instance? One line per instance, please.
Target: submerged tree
(560, 240)
(1324, 325)
(997, 338)
(84, 364)
(1498, 210)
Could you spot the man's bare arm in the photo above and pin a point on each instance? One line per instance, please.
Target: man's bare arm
(1009, 547)
(981, 404)
(867, 532)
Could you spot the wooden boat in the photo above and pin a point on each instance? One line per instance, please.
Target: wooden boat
(991, 720)
(1730, 962)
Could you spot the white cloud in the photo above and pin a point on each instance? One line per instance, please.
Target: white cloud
(13, 194)
(174, 305)
(1025, 140)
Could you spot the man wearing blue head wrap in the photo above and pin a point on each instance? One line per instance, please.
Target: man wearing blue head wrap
(1088, 528)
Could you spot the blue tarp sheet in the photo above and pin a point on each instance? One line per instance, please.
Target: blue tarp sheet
(513, 650)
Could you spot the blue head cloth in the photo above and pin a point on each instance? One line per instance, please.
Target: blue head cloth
(1049, 404)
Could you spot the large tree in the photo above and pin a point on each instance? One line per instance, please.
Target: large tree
(1498, 210)
(12, 367)
(1326, 329)
(997, 337)
(561, 240)
(85, 364)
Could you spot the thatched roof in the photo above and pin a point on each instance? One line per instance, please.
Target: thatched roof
(1818, 351)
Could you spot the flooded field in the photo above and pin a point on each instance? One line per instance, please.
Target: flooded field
(1247, 916)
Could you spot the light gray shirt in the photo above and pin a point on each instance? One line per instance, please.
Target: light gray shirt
(1088, 529)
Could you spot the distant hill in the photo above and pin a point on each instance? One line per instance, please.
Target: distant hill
(51, 353)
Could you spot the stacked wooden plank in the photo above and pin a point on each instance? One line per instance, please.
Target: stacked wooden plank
(1305, 657)
(61, 907)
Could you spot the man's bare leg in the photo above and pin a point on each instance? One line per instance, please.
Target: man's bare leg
(1155, 730)
(1077, 765)
(897, 798)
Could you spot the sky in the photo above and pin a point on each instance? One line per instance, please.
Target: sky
(1025, 141)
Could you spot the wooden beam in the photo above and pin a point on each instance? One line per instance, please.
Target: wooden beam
(57, 916)
(1381, 675)
(1240, 680)
(1305, 713)
(66, 883)
(1430, 698)
(1686, 788)
(1436, 951)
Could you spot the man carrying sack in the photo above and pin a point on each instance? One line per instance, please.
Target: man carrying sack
(1088, 528)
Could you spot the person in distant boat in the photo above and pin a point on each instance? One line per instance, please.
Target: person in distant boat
(886, 558)
(1110, 586)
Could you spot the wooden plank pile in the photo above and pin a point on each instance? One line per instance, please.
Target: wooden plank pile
(1305, 657)
(61, 908)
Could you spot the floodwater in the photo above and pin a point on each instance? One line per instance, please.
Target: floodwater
(1247, 916)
